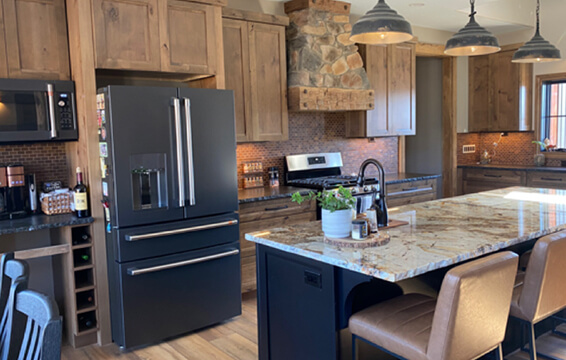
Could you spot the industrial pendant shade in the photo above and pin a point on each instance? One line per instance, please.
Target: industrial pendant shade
(381, 25)
(537, 49)
(472, 39)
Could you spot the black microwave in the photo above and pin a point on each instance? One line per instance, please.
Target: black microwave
(37, 110)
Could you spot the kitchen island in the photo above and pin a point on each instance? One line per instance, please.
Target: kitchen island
(308, 289)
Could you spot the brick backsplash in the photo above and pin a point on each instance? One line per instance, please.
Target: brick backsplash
(47, 160)
(319, 132)
(515, 149)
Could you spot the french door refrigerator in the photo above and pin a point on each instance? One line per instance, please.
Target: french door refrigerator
(168, 162)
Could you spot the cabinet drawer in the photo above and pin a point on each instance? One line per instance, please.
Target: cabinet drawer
(248, 247)
(411, 189)
(503, 177)
(413, 199)
(546, 180)
(260, 210)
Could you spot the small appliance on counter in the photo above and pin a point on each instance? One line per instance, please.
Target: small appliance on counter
(16, 194)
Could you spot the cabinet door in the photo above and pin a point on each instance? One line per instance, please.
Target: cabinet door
(268, 82)
(401, 96)
(126, 34)
(188, 37)
(36, 39)
(479, 96)
(237, 74)
(376, 65)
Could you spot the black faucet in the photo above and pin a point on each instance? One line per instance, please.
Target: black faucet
(380, 205)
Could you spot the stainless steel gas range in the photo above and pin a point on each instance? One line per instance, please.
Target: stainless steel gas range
(323, 171)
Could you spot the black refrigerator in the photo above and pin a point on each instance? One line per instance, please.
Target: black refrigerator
(170, 194)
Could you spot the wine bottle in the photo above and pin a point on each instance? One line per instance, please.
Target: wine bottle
(80, 196)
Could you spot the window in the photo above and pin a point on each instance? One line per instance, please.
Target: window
(551, 112)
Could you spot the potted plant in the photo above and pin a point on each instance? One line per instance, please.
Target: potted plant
(539, 157)
(337, 210)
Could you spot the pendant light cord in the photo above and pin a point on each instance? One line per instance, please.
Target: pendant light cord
(473, 2)
(538, 15)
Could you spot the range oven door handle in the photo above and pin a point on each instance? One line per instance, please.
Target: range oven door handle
(181, 231)
(179, 150)
(190, 162)
(51, 104)
(135, 271)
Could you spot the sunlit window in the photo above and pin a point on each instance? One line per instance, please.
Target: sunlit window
(553, 114)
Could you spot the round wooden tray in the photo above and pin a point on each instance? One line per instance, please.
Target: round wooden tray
(371, 241)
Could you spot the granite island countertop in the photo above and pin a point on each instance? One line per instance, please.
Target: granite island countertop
(440, 232)
(269, 193)
(514, 167)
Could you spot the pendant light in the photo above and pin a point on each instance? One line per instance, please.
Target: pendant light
(381, 25)
(472, 39)
(537, 49)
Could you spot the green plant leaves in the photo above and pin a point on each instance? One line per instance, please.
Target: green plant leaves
(329, 200)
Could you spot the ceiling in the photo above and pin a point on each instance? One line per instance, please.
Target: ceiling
(499, 16)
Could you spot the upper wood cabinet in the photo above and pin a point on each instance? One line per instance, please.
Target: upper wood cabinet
(157, 35)
(391, 71)
(255, 69)
(500, 93)
(35, 40)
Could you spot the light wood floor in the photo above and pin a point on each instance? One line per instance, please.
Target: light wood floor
(232, 339)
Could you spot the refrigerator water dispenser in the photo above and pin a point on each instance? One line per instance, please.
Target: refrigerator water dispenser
(149, 183)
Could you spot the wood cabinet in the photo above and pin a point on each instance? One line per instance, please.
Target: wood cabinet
(411, 192)
(391, 71)
(34, 44)
(500, 93)
(157, 35)
(544, 179)
(262, 215)
(255, 69)
(477, 180)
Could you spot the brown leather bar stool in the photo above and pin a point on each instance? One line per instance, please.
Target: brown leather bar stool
(467, 320)
(542, 293)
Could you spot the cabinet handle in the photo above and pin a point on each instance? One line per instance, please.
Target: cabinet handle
(277, 208)
(410, 189)
(134, 271)
(550, 179)
(492, 176)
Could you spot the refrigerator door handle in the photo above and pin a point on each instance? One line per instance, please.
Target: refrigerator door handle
(179, 151)
(191, 167)
(180, 231)
(134, 271)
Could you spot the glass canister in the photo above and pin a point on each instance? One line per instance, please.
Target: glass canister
(273, 176)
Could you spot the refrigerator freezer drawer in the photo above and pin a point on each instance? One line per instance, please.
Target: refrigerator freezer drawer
(175, 294)
(142, 242)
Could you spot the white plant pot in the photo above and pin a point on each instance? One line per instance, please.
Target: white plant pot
(337, 224)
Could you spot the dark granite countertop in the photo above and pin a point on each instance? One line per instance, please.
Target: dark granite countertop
(268, 193)
(40, 222)
(514, 167)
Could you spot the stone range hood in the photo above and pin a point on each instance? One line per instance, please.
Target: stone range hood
(325, 70)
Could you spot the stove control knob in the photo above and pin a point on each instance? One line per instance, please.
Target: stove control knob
(366, 188)
(354, 191)
(373, 188)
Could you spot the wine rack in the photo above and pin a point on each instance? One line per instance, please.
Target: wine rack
(81, 303)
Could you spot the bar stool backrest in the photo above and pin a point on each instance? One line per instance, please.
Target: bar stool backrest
(544, 290)
(472, 308)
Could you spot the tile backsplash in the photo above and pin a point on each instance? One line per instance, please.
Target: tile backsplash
(319, 132)
(515, 149)
(47, 160)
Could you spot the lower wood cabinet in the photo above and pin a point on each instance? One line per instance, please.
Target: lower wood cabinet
(263, 215)
(476, 180)
(411, 192)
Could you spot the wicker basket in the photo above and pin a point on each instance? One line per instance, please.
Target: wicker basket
(56, 203)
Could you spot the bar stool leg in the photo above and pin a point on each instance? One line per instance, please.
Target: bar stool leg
(532, 342)
(499, 353)
(354, 347)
